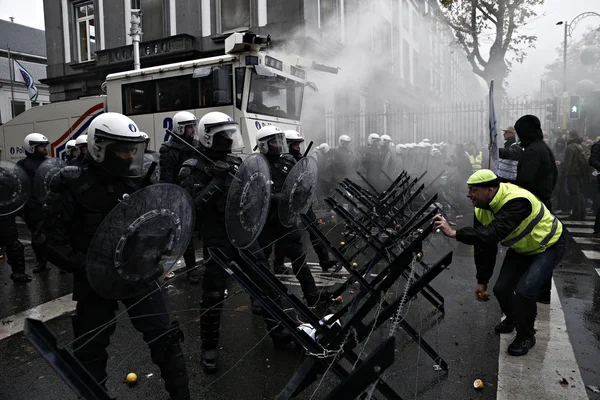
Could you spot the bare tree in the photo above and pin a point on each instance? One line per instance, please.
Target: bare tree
(494, 24)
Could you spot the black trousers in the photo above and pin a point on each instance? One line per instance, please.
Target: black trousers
(33, 219)
(290, 240)
(577, 201)
(92, 329)
(319, 247)
(520, 281)
(214, 283)
(9, 239)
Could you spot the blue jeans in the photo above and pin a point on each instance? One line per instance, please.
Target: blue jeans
(520, 280)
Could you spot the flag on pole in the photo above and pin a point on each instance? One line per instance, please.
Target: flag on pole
(493, 158)
(21, 75)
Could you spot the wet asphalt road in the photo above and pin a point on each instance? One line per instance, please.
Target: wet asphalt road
(250, 368)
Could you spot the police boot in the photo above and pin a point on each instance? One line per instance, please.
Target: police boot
(319, 298)
(210, 321)
(208, 360)
(167, 355)
(506, 326)
(20, 277)
(194, 276)
(323, 254)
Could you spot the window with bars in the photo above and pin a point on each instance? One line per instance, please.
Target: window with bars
(86, 31)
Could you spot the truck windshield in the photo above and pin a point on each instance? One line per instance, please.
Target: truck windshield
(275, 96)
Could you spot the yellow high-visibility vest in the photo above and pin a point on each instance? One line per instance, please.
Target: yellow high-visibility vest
(535, 233)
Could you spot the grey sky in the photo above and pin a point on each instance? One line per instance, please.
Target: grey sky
(524, 79)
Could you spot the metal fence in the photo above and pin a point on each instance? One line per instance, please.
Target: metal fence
(460, 123)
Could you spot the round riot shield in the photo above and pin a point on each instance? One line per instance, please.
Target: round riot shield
(43, 177)
(140, 240)
(150, 158)
(15, 188)
(297, 194)
(248, 201)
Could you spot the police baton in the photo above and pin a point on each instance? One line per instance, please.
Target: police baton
(308, 149)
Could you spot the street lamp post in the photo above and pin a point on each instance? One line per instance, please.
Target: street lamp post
(569, 28)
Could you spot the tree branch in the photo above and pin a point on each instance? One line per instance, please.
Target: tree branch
(488, 16)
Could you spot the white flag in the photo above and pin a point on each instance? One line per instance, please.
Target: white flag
(21, 75)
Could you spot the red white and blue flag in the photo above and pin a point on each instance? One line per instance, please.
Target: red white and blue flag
(21, 75)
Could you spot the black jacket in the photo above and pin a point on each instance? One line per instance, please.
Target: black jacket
(340, 164)
(78, 201)
(537, 170)
(572, 165)
(210, 196)
(485, 238)
(31, 164)
(172, 156)
(595, 159)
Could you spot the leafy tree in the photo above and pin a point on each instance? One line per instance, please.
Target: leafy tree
(494, 24)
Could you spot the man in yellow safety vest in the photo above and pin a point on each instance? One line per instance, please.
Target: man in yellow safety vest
(514, 217)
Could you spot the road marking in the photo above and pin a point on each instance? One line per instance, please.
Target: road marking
(586, 223)
(44, 312)
(537, 375)
(582, 240)
(598, 271)
(580, 230)
(591, 254)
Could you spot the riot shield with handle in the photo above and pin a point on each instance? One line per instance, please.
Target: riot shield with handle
(298, 191)
(15, 188)
(43, 177)
(248, 201)
(151, 168)
(140, 240)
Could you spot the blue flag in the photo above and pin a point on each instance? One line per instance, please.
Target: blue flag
(21, 75)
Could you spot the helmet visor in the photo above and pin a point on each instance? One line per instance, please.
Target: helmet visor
(277, 144)
(227, 138)
(125, 159)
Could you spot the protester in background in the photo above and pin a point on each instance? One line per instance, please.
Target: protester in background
(507, 165)
(560, 191)
(595, 162)
(574, 174)
(536, 172)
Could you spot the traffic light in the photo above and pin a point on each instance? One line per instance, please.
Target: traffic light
(574, 107)
(551, 109)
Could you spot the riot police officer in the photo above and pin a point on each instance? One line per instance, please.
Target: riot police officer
(271, 142)
(36, 151)
(172, 155)
(207, 179)
(82, 146)
(78, 201)
(71, 152)
(294, 141)
(372, 161)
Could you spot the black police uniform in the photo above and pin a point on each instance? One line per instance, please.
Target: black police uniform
(290, 238)
(32, 212)
(208, 185)
(15, 251)
(172, 156)
(319, 247)
(372, 163)
(78, 201)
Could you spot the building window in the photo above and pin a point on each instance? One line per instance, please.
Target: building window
(405, 15)
(235, 15)
(330, 19)
(86, 31)
(153, 20)
(18, 107)
(406, 63)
